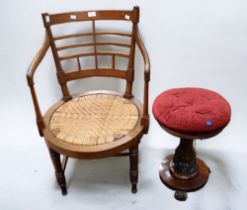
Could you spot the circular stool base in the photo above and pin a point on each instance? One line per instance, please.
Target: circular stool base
(183, 185)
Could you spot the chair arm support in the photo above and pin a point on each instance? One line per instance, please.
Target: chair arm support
(145, 116)
(37, 59)
(30, 75)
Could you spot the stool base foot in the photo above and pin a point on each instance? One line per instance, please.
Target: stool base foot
(180, 195)
(183, 186)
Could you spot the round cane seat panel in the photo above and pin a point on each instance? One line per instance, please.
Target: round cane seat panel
(192, 110)
(94, 119)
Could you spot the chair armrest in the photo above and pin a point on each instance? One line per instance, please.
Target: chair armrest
(145, 115)
(37, 59)
(30, 75)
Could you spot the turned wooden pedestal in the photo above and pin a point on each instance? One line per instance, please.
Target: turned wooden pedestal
(182, 171)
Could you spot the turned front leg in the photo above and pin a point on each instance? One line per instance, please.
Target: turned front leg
(134, 168)
(55, 157)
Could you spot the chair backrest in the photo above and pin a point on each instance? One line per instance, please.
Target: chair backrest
(87, 57)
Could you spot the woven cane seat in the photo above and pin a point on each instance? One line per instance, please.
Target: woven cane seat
(94, 119)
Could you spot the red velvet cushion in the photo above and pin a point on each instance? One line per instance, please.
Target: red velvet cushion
(192, 110)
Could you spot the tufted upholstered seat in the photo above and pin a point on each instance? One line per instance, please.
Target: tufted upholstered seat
(192, 110)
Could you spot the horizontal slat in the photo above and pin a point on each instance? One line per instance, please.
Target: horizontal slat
(96, 73)
(91, 34)
(66, 57)
(69, 46)
(60, 18)
(85, 44)
(112, 33)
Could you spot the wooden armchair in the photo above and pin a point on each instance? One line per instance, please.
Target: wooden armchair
(93, 124)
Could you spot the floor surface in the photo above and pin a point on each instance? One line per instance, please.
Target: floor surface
(104, 184)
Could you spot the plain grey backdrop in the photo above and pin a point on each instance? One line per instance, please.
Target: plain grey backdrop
(191, 44)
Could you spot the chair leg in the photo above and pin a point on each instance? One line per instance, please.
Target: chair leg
(134, 167)
(55, 157)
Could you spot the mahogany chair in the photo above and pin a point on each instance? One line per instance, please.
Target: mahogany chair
(93, 124)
